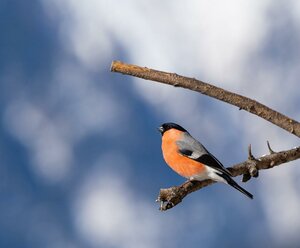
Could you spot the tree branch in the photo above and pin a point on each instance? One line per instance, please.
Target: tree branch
(170, 197)
(240, 101)
(174, 195)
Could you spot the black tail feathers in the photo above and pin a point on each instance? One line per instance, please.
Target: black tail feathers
(232, 183)
(239, 188)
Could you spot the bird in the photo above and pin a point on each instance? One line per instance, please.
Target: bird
(190, 159)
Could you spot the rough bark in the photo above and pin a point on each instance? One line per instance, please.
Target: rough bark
(240, 101)
(170, 197)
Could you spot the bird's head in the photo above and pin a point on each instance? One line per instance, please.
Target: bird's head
(170, 125)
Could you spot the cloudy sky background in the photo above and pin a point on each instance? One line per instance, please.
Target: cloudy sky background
(80, 158)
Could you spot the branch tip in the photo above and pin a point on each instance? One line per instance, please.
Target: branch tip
(168, 198)
(113, 65)
(269, 147)
(250, 155)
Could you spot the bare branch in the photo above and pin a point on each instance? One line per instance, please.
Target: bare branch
(172, 196)
(241, 102)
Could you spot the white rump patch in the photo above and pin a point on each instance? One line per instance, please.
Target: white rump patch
(210, 173)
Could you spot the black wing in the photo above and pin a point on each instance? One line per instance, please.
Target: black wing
(193, 149)
(210, 160)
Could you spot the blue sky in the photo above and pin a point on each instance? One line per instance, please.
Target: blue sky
(80, 157)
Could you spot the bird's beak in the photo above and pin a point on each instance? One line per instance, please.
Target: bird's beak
(160, 129)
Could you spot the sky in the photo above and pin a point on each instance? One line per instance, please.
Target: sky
(80, 156)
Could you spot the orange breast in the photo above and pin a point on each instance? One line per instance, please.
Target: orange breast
(184, 166)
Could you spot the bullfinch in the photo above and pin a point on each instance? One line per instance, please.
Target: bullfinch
(190, 159)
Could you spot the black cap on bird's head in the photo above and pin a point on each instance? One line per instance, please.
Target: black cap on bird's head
(169, 125)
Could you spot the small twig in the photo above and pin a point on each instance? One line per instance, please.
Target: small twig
(252, 170)
(250, 155)
(240, 101)
(174, 195)
(269, 147)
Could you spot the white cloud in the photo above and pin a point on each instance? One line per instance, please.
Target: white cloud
(107, 212)
(73, 108)
(207, 39)
(51, 154)
(282, 204)
(278, 186)
(86, 106)
(202, 35)
(201, 38)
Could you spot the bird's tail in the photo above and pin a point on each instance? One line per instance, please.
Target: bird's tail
(232, 183)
